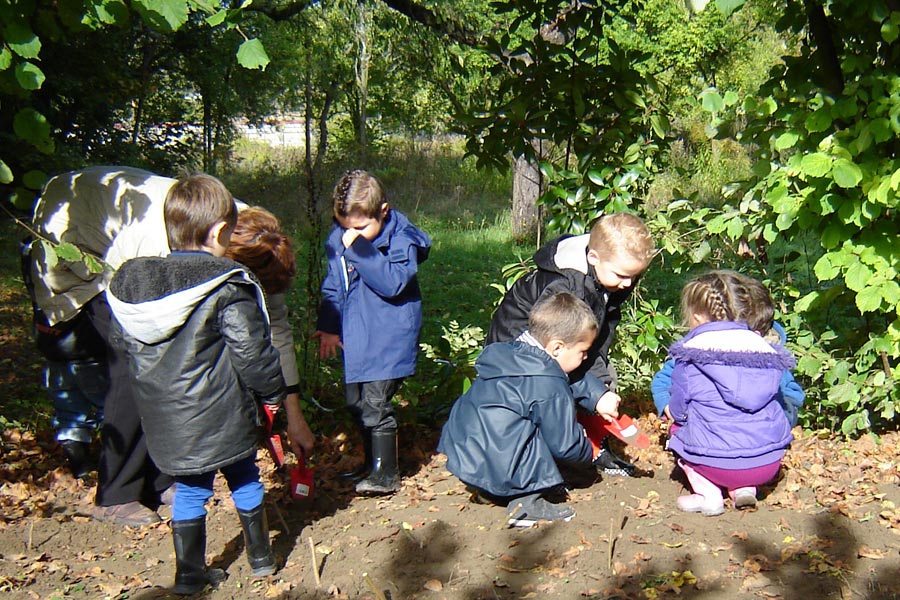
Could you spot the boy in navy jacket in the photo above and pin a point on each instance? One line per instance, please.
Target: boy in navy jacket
(505, 434)
(372, 309)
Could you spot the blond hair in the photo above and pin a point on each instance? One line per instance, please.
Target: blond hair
(193, 206)
(728, 296)
(562, 316)
(358, 192)
(620, 234)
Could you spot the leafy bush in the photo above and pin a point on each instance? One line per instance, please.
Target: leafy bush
(454, 355)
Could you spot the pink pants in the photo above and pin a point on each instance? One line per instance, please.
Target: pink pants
(733, 479)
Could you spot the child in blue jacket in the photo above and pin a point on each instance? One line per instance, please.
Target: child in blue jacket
(505, 434)
(372, 309)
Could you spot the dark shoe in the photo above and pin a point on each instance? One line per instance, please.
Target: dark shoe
(528, 510)
(130, 514)
(256, 540)
(385, 477)
(191, 573)
(608, 463)
(78, 457)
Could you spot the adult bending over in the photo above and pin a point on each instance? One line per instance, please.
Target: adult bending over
(115, 214)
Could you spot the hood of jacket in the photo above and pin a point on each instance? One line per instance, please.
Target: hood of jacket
(565, 252)
(744, 367)
(517, 359)
(153, 297)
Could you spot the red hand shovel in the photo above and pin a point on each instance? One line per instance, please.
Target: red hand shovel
(302, 481)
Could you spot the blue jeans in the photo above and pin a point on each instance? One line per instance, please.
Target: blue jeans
(77, 390)
(192, 491)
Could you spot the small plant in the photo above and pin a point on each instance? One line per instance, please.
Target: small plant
(642, 340)
(455, 354)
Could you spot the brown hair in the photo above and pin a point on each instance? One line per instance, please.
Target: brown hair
(759, 312)
(259, 244)
(193, 206)
(619, 233)
(562, 316)
(358, 192)
(728, 296)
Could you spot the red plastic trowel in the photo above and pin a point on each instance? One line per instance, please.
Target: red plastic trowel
(302, 477)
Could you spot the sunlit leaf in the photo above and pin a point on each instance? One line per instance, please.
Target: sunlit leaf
(846, 173)
(163, 15)
(252, 55)
(68, 252)
(6, 175)
(21, 39)
(29, 76)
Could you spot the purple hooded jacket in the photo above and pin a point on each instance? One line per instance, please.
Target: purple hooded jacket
(725, 391)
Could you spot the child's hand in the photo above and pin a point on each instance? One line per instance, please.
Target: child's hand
(349, 237)
(668, 414)
(608, 406)
(328, 343)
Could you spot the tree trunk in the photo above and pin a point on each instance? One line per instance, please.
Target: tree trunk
(526, 189)
(361, 69)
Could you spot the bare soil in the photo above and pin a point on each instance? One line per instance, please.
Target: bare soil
(828, 529)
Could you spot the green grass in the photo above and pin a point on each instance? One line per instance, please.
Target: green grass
(23, 402)
(465, 211)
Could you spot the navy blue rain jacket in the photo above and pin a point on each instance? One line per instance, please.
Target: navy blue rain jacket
(506, 433)
(371, 298)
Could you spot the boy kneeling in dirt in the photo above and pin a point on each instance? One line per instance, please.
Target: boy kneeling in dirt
(505, 434)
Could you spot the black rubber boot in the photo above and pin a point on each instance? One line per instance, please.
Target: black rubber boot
(78, 457)
(256, 539)
(385, 478)
(363, 470)
(191, 572)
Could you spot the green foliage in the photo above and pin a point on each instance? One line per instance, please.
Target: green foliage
(827, 172)
(455, 354)
(28, 33)
(566, 85)
(642, 337)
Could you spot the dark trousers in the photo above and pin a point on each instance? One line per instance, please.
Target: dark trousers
(370, 403)
(126, 472)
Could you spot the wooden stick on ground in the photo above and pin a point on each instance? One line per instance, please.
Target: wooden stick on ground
(379, 595)
(315, 563)
(280, 517)
(505, 522)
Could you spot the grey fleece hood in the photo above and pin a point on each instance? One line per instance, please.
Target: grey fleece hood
(153, 297)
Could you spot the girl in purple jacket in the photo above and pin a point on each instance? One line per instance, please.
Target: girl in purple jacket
(725, 392)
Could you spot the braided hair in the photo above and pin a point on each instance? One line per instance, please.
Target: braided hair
(358, 192)
(728, 296)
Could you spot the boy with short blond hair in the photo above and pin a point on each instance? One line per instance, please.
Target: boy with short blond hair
(505, 434)
(194, 331)
(372, 309)
(601, 268)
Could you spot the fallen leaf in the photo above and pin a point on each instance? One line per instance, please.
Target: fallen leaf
(434, 585)
(866, 552)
